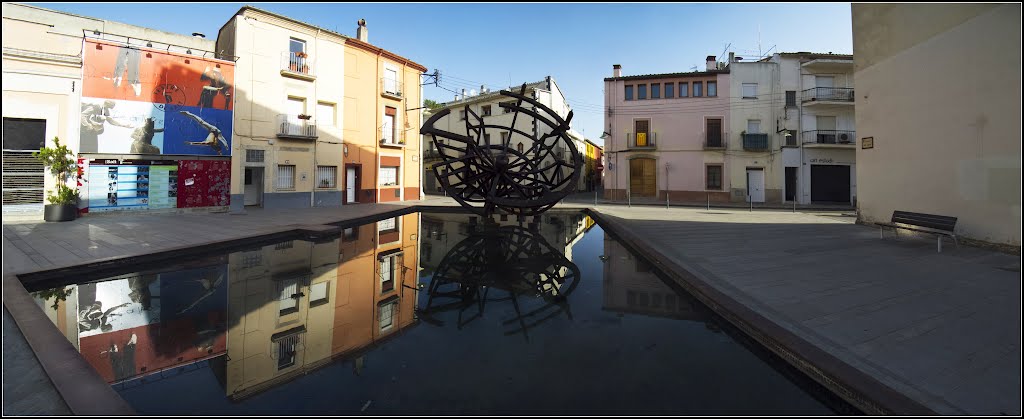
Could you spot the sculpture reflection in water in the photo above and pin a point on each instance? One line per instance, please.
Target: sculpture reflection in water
(502, 264)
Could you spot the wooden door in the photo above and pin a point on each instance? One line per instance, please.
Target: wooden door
(642, 177)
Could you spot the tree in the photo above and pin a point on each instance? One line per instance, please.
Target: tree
(63, 167)
(427, 103)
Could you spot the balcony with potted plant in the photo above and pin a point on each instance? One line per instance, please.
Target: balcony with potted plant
(297, 65)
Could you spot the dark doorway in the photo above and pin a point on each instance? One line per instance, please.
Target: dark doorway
(830, 184)
(23, 175)
(791, 183)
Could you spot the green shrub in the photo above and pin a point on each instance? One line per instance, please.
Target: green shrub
(63, 166)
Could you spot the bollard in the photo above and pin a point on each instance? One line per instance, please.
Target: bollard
(751, 201)
(709, 202)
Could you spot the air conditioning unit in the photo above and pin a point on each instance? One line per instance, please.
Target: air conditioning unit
(844, 138)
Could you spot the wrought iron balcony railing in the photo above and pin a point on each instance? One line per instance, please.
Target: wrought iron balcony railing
(829, 136)
(715, 141)
(641, 140)
(292, 126)
(830, 94)
(297, 63)
(391, 87)
(391, 137)
(756, 142)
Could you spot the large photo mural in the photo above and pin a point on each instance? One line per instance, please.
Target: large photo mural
(137, 100)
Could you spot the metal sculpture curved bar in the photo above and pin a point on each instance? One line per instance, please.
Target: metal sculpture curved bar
(517, 181)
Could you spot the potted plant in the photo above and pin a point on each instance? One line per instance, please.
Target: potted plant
(305, 117)
(64, 201)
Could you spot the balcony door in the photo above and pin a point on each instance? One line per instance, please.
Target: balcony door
(295, 107)
(826, 126)
(390, 80)
(643, 127)
(643, 179)
(714, 132)
(388, 129)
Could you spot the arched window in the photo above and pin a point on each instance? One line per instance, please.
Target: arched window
(519, 147)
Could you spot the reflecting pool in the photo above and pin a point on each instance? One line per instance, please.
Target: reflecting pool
(423, 313)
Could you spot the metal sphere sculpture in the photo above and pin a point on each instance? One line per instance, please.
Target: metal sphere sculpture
(525, 172)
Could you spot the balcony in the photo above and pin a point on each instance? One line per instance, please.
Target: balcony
(391, 138)
(431, 154)
(295, 127)
(297, 65)
(830, 136)
(641, 141)
(756, 142)
(715, 141)
(391, 88)
(832, 95)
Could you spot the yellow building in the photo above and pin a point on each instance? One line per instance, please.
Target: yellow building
(381, 153)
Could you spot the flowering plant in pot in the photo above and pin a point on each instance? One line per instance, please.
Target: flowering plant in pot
(63, 202)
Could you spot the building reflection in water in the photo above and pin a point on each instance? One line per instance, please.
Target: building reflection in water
(264, 316)
(299, 308)
(632, 286)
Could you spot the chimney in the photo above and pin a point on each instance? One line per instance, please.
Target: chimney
(616, 70)
(732, 57)
(483, 89)
(361, 33)
(711, 63)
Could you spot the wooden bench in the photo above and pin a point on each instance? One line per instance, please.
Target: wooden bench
(939, 225)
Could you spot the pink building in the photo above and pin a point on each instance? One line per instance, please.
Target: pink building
(667, 135)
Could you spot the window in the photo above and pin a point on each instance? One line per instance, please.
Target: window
(656, 91)
(487, 138)
(387, 130)
(296, 106)
(629, 92)
(286, 353)
(508, 110)
(318, 293)
(388, 176)
(714, 132)
(753, 126)
(251, 259)
(350, 234)
(486, 109)
(285, 176)
(388, 225)
(388, 271)
(390, 80)
(462, 115)
(288, 297)
(327, 177)
(712, 88)
(684, 89)
(670, 90)
(296, 45)
(714, 177)
(504, 138)
(387, 313)
(698, 89)
(642, 127)
(750, 90)
(519, 147)
(284, 245)
(641, 91)
(325, 114)
(791, 98)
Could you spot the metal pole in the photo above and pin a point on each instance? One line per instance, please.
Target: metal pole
(666, 186)
(709, 201)
(629, 197)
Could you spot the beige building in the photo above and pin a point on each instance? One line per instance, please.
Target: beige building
(281, 310)
(320, 118)
(939, 115)
(288, 130)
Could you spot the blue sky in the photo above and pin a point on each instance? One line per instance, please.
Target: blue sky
(492, 43)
